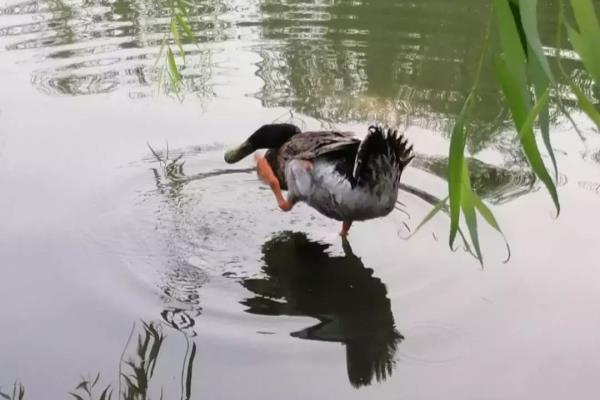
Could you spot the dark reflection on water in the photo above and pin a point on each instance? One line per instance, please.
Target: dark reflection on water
(494, 183)
(303, 279)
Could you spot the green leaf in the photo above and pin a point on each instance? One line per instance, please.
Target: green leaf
(430, 215)
(177, 39)
(173, 71)
(541, 109)
(586, 105)
(455, 160)
(180, 6)
(487, 214)
(585, 15)
(186, 28)
(468, 207)
(587, 46)
(542, 89)
(518, 104)
(533, 114)
(529, 21)
(510, 41)
(540, 72)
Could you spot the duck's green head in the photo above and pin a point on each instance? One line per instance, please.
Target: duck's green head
(266, 137)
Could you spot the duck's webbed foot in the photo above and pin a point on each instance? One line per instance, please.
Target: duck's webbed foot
(345, 228)
(266, 174)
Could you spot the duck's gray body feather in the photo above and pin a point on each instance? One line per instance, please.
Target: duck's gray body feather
(340, 176)
(330, 193)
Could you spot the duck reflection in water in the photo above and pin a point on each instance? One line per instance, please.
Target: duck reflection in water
(303, 279)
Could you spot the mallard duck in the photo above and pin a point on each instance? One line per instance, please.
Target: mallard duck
(337, 174)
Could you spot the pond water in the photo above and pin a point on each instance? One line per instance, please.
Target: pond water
(178, 276)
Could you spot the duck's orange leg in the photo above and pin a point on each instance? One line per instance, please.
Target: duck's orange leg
(266, 174)
(345, 228)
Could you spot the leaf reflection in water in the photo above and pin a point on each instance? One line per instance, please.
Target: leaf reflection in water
(137, 365)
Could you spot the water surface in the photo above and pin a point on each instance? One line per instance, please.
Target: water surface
(180, 276)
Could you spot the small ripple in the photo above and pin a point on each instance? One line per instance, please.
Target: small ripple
(593, 187)
(430, 343)
(77, 84)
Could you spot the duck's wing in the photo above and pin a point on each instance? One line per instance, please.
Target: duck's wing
(310, 145)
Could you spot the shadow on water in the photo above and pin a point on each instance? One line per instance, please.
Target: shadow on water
(302, 279)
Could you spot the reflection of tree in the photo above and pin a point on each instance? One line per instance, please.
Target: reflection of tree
(351, 304)
(117, 39)
(391, 61)
(378, 55)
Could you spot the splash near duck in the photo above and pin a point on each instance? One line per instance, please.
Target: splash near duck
(335, 173)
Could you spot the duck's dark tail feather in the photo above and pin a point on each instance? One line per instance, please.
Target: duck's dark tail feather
(382, 154)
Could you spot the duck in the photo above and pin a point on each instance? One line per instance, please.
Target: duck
(343, 177)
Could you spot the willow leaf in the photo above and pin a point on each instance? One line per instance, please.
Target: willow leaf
(585, 15)
(455, 160)
(468, 208)
(430, 215)
(180, 6)
(587, 45)
(519, 107)
(489, 217)
(186, 28)
(173, 71)
(542, 88)
(177, 39)
(529, 20)
(586, 105)
(510, 41)
(533, 114)
(540, 72)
